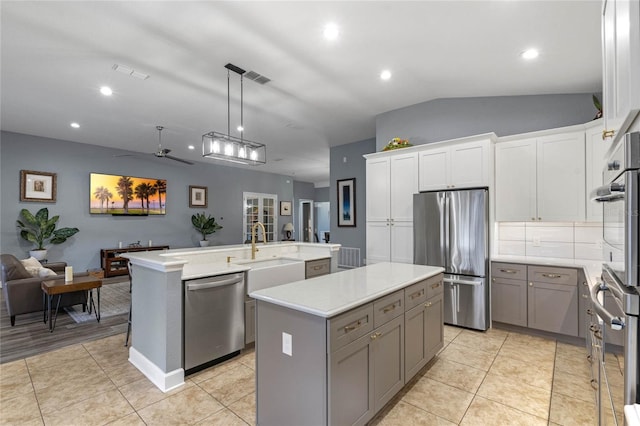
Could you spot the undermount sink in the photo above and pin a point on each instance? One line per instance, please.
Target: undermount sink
(265, 273)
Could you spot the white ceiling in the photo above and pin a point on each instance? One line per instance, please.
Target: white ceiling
(55, 56)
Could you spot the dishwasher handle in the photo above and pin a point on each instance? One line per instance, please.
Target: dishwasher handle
(214, 283)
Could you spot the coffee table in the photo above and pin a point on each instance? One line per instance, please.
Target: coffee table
(58, 287)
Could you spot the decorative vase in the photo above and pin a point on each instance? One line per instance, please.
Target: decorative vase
(38, 254)
(204, 243)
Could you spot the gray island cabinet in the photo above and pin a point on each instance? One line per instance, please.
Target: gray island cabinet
(334, 350)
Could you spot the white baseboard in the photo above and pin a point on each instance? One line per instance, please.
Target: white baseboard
(164, 381)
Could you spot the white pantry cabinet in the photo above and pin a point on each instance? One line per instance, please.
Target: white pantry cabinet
(621, 64)
(392, 179)
(541, 179)
(457, 165)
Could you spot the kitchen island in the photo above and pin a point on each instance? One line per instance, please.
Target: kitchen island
(158, 277)
(335, 349)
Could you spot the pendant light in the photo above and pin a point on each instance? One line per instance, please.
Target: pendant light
(230, 148)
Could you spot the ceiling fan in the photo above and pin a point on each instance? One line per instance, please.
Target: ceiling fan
(164, 152)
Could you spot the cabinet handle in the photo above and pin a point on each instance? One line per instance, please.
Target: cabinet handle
(416, 294)
(539, 218)
(584, 283)
(589, 312)
(530, 284)
(374, 336)
(554, 276)
(533, 218)
(589, 359)
(509, 271)
(608, 134)
(349, 328)
(389, 308)
(317, 268)
(594, 384)
(585, 296)
(428, 304)
(436, 285)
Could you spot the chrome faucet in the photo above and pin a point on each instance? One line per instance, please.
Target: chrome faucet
(254, 249)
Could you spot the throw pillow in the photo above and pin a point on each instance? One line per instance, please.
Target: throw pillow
(46, 272)
(31, 262)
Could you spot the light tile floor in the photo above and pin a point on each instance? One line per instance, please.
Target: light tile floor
(491, 378)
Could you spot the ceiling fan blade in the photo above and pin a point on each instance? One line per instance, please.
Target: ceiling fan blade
(170, 157)
(164, 151)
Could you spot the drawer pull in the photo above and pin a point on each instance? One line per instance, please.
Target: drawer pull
(584, 283)
(608, 134)
(428, 304)
(389, 308)
(436, 285)
(552, 275)
(374, 336)
(416, 294)
(317, 268)
(509, 271)
(349, 328)
(585, 296)
(594, 384)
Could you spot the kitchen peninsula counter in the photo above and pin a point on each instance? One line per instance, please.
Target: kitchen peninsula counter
(335, 349)
(157, 312)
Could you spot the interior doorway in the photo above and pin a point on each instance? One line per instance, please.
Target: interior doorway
(305, 221)
(322, 219)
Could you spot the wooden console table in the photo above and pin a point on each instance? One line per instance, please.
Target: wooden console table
(114, 265)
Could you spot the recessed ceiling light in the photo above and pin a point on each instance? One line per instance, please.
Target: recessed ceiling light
(385, 75)
(530, 54)
(191, 147)
(331, 31)
(105, 90)
(75, 125)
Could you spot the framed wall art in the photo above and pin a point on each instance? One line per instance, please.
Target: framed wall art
(285, 208)
(197, 196)
(347, 202)
(37, 186)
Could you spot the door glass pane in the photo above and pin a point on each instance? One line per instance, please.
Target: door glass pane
(260, 208)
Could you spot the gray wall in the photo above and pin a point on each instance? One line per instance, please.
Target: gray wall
(322, 194)
(73, 162)
(443, 119)
(347, 162)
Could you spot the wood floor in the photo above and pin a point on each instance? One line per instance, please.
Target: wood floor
(30, 336)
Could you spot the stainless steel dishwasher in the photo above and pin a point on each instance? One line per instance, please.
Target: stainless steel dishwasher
(213, 320)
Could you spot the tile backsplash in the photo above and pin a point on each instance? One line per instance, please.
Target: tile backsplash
(567, 240)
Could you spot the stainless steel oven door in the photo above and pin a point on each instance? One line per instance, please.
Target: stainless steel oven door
(620, 226)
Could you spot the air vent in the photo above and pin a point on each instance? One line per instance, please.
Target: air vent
(258, 78)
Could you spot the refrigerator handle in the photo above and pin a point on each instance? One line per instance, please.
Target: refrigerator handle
(447, 207)
(457, 298)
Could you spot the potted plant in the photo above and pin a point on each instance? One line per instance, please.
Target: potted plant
(39, 229)
(206, 225)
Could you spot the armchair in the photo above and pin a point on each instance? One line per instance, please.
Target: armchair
(22, 291)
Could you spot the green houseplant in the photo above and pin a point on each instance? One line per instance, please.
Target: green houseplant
(206, 225)
(40, 230)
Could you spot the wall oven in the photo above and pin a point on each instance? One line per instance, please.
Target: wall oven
(616, 299)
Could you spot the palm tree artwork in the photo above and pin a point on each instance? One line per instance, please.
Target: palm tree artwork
(124, 190)
(103, 194)
(133, 195)
(161, 187)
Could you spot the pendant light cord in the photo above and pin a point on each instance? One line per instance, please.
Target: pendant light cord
(228, 104)
(241, 109)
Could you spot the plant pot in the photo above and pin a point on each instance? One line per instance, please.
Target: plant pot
(204, 243)
(38, 254)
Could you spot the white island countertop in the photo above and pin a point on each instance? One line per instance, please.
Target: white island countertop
(333, 294)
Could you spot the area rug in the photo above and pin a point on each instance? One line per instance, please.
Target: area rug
(114, 300)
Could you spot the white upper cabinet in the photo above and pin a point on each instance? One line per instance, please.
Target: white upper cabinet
(378, 189)
(403, 184)
(596, 149)
(458, 165)
(541, 179)
(621, 64)
(516, 181)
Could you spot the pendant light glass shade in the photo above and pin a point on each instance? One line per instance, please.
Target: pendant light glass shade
(230, 148)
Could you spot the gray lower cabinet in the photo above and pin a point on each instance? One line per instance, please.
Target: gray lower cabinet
(540, 297)
(249, 321)
(318, 267)
(552, 300)
(424, 332)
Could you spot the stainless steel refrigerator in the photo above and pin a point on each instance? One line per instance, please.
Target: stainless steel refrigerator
(451, 229)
